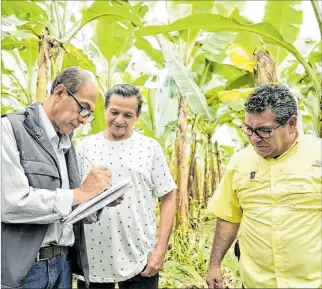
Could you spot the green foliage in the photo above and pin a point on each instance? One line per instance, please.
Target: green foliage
(288, 24)
(160, 110)
(106, 8)
(247, 41)
(154, 54)
(187, 259)
(33, 15)
(216, 45)
(113, 37)
(99, 123)
(208, 59)
(76, 57)
(215, 22)
(180, 74)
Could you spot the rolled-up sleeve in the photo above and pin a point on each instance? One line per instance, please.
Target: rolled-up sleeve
(224, 203)
(21, 203)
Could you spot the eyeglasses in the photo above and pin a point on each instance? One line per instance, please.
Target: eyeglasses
(261, 132)
(84, 112)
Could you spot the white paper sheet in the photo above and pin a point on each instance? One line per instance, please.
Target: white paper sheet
(98, 202)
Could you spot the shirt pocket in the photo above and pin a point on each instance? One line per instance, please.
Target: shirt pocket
(252, 193)
(306, 201)
(305, 190)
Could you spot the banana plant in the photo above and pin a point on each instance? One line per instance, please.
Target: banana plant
(58, 30)
(214, 22)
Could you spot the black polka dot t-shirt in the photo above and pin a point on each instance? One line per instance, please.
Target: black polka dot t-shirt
(118, 244)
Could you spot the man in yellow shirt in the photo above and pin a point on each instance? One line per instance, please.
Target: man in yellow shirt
(271, 191)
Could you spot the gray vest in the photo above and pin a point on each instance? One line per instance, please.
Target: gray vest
(20, 243)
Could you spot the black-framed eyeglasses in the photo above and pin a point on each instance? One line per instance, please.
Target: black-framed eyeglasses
(261, 132)
(84, 112)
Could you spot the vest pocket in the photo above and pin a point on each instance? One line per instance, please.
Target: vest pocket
(40, 168)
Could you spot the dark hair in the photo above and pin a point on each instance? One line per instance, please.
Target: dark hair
(125, 90)
(73, 78)
(275, 97)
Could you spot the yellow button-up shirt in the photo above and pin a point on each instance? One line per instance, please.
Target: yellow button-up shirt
(278, 203)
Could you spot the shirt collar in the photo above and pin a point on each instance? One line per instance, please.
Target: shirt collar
(293, 146)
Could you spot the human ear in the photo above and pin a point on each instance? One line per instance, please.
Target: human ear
(59, 90)
(292, 123)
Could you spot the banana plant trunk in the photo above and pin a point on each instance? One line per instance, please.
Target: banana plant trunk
(209, 170)
(43, 66)
(264, 70)
(205, 173)
(191, 188)
(196, 184)
(182, 165)
(192, 168)
(212, 172)
(217, 160)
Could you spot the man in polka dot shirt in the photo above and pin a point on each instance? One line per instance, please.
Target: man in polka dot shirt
(122, 246)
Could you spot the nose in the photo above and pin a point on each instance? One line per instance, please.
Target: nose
(119, 119)
(83, 120)
(254, 138)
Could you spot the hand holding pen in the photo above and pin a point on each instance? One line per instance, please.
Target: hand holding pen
(98, 180)
(118, 200)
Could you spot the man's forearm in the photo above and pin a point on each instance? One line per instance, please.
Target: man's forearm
(224, 237)
(168, 209)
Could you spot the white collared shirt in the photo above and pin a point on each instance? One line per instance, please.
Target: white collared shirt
(24, 204)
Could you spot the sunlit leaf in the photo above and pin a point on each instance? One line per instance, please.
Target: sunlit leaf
(199, 64)
(240, 59)
(233, 95)
(246, 80)
(9, 43)
(286, 17)
(103, 9)
(180, 74)
(225, 8)
(315, 56)
(76, 57)
(215, 22)
(140, 8)
(35, 16)
(154, 54)
(12, 20)
(122, 63)
(18, 34)
(221, 76)
(216, 44)
(30, 52)
(245, 40)
(113, 36)
(99, 123)
(140, 81)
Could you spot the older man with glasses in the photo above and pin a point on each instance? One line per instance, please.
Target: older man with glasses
(271, 191)
(41, 184)
(85, 111)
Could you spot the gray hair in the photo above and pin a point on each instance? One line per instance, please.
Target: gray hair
(73, 78)
(277, 98)
(125, 90)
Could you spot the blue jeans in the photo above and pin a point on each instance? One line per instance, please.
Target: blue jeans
(55, 272)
